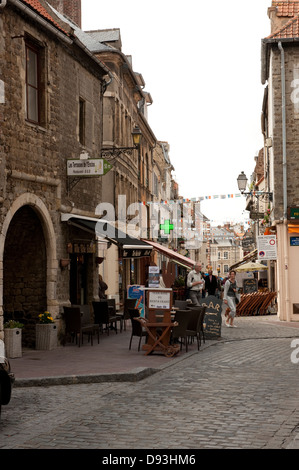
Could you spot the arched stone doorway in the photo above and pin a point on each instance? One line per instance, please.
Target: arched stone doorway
(25, 271)
(28, 255)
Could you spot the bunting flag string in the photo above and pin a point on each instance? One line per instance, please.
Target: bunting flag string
(197, 199)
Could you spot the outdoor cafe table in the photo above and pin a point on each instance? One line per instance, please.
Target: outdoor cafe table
(159, 333)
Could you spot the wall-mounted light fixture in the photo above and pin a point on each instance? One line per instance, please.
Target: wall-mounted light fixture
(242, 184)
(115, 152)
(64, 263)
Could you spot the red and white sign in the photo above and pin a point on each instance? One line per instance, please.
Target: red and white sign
(267, 247)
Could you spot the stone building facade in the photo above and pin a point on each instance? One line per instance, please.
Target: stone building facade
(280, 75)
(130, 180)
(67, 97)
(50, 111)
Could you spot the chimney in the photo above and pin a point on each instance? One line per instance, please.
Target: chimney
(69, 8)
(275, 21)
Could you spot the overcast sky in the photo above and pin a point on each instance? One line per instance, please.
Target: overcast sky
(201, 62)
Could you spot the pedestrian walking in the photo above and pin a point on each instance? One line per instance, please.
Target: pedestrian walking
(196, 284)
(231, 298)
(102, 288)
(211, 284)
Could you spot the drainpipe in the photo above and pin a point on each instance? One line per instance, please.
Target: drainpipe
(284, 149)
(284, 169)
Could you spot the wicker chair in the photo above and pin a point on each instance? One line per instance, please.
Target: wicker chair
(180, 332)
(137, 329)
(87, 320)
(195, 327)
(113, 312)
(103, 317)
(181, 304)
(129, 303)
(74, 325)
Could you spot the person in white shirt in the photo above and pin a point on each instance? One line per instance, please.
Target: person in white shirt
(196, 284)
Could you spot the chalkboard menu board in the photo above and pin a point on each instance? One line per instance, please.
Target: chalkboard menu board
(249, 285)
(212, 320)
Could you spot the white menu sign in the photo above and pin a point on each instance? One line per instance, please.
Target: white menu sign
(159, 299)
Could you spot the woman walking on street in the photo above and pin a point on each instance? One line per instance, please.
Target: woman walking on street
(230, 298)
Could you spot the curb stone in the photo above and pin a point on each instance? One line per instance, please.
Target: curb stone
(134, 375)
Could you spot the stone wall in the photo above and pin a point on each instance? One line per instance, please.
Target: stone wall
(292, 128)
(33, 161)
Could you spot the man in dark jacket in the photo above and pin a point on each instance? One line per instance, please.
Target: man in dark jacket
(211, 284)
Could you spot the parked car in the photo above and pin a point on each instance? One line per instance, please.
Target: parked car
(6, 381)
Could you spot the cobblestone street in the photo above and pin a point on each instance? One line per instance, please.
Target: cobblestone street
(240, 392)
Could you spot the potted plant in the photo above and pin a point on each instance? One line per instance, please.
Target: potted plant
(266, 219)
(13, 338)
(46, 332)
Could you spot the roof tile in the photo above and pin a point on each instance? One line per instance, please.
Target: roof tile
(41, 10)
(286, 8)
(288, 31)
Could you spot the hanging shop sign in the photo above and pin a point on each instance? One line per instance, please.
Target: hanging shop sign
(134, 253)
(88, 167)
(246, 242)
(293, 213)
(81, 247)
(256, 215)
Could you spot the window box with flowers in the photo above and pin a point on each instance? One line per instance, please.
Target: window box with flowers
(46, 332)
(13, 339)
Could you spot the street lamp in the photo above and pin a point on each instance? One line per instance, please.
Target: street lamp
(136, 134)
(242, 183)
(114, 152)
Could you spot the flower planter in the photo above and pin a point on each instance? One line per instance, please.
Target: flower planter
(46, 336)
(13, 342)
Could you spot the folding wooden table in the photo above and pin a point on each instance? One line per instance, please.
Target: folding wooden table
(159, 332)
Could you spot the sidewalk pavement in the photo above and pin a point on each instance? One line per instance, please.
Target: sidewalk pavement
(111, 359)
